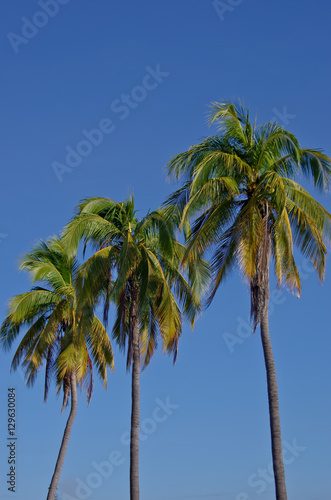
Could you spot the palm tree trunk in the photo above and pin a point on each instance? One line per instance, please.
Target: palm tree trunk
(276, 441)
(65, 440)
(135, 410)
(260, 295)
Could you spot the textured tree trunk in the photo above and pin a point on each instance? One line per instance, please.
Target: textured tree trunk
(260, 295)
(276, 440)
(135, 410)
(65, 440)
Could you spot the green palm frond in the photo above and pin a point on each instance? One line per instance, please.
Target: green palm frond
(208, 227)
(61, 326)
(50, 368)
(314, 163)
(282, 248)
(232, 118)
(142, 254)
(225, 257)
(101, 349)
(92, 274)
(89, 227)
(238, 187)
(148, 333)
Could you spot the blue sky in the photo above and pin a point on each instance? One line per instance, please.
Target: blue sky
(167, 61)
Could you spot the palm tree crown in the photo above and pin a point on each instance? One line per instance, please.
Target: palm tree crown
(62, 331)
(239, 183)
(134, 254)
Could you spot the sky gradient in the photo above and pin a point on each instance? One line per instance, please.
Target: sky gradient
(95, 99)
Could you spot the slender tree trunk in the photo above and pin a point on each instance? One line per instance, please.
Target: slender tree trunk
(65, 439)
(260, 295)
(276, 441)
(135, 410)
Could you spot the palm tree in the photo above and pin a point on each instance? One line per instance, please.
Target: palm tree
(62, 331)
(240, 187)
(145, 257)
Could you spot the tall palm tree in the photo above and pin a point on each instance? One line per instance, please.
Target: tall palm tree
(136, 266)
(62, 332)
(240, 186)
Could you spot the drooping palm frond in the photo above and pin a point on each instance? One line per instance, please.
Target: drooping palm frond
(101, 348)
(231, 180)
(314, 163)
(61, 325)
(233, 118)
(142, 254)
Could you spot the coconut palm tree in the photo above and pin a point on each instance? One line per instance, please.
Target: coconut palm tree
(136, 266)
(241, 187)
(62, 332)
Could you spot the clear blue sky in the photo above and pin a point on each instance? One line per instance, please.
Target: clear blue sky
(69, 77)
